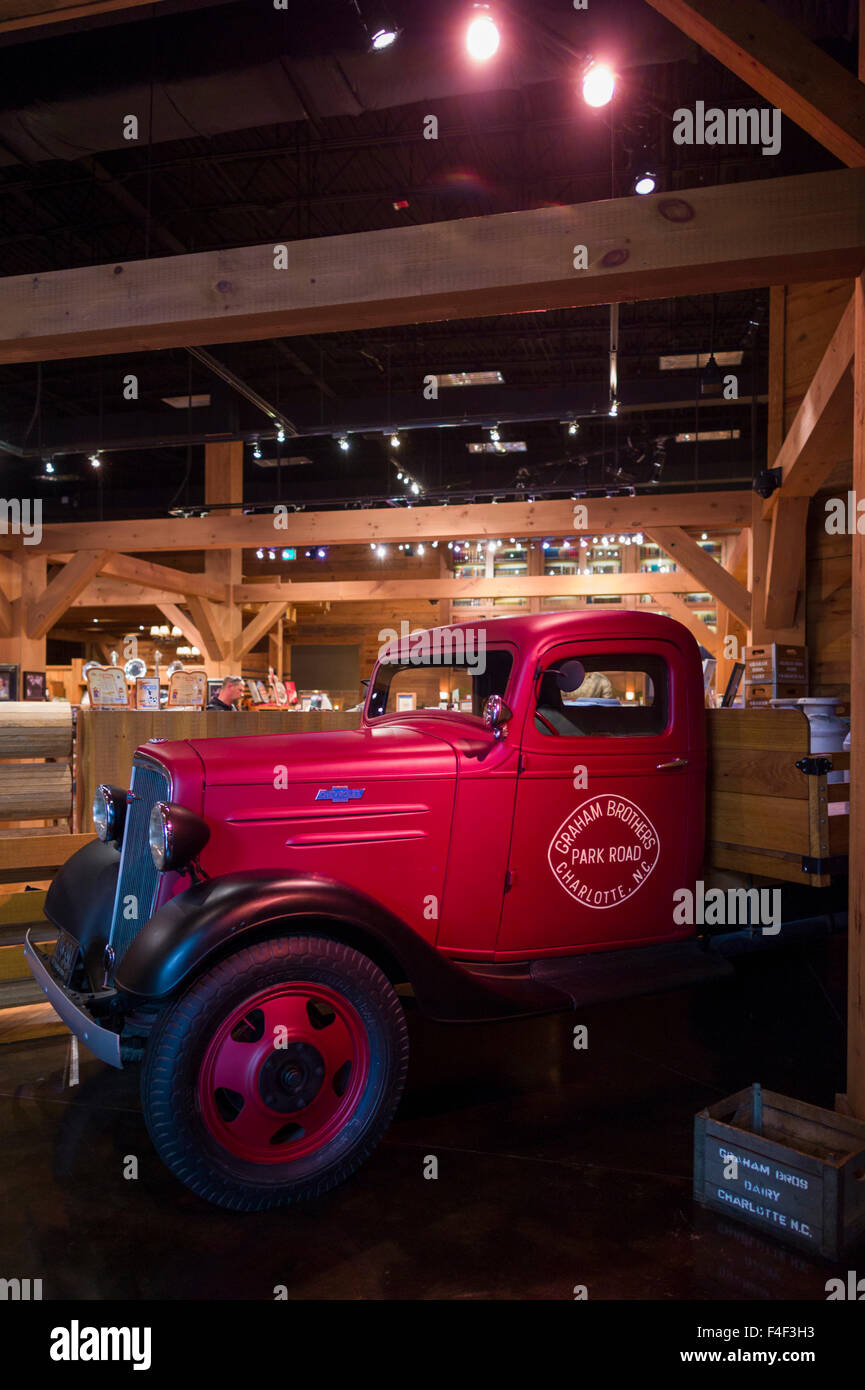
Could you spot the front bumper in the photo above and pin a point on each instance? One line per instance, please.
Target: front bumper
(102, 1042)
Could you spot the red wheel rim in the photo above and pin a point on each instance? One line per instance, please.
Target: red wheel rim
(284, 1073)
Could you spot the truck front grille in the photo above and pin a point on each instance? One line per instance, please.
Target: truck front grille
(137, 876)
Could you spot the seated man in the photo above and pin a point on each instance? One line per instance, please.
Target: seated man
(228, 694)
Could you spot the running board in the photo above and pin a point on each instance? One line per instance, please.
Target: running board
(604, 976)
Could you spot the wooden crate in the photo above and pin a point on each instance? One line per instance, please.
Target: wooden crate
(764, 814)
(800, 1170)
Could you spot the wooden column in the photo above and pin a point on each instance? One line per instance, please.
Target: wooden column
(22, 582)
(223, 482)
(856, 938)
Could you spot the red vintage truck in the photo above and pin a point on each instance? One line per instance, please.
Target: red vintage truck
(507, 832)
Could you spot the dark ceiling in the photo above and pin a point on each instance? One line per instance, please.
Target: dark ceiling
(276, 125)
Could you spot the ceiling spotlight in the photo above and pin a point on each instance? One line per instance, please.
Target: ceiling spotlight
(573, 427)
(271, 554)
(321, 553)
(382, 36)
(420, 550)
(395, 440)
(49, 466)
(256, 450)
(494, 434)
(381, 551)
(645, 182)
(372, 545)
(280, 435)
(482, 35)
(614, 407)
(343, 443)
(95, 461)
(435, 545)
(415, 489)
(599, 83)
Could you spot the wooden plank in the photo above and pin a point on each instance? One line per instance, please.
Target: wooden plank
(759, 822)
(769, 864)
(856, 931)
(777, 367)
(31, 14)
(743, 769)
(821, 433)
(690, 556)
(393, 525)
(62, 591)
(28, 1022)
(786, 561)
(698, 241)
(775, 58)
(765, 730)
(254, 631)
(737, 560)
(31, 790)
(758, 570)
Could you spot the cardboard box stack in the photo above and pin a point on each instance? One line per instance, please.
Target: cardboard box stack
(774, 672)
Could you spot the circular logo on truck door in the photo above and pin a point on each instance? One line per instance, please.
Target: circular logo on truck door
(604, 851)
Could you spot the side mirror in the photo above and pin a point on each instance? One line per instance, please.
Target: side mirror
(496, 715)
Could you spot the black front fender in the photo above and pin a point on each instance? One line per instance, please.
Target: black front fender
(80, 901)
(197, 927)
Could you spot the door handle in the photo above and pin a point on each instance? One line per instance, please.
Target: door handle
(673, 766)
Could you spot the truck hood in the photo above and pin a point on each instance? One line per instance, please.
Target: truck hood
(332, 758)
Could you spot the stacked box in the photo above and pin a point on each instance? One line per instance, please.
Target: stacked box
(775, 671)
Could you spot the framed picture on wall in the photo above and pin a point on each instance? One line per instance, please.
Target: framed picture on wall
(34, 685)
(406, 700)
(8, 682)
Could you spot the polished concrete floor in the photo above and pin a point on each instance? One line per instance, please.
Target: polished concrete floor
(556, 1167)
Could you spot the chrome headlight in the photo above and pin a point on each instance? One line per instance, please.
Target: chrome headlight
(176, 836)
(109, 812)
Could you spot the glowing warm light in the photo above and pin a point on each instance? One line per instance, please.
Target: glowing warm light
(482, 37)
(599, 83)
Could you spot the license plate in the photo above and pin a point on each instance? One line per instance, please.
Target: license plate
(65, 956)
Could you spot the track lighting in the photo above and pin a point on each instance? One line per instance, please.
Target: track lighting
(95, 461)
(280, 435)
(482, 35)
(343, 443)
(256, 450)
(645, 182)
(382, 35)
(395, 440)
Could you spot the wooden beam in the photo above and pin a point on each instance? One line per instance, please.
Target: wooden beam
(393, 525)
(786, 561)
(178, 618)
(163, 577)
(737, 560)
(30, 14)
(696, 241)
(678, 609)
(821, 434)
(206, 619)
(527, 586)
(856, 934)
(254, 631)
(118, 593)
(779, 62)
(709, 574)
(62, 591)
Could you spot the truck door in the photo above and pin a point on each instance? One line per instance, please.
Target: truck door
(608, 814)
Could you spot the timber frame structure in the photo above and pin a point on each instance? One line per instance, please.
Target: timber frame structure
(776, 232)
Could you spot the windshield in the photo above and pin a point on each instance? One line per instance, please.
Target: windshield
(439, 674)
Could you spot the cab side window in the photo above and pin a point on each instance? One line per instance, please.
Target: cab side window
(613, 696)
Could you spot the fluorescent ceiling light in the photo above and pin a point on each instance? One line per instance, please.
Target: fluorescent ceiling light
(186, 402)
(511, 446)
(708, 436)
(471, 379)
(699, 359)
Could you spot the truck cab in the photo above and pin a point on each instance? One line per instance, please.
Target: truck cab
(521, 801)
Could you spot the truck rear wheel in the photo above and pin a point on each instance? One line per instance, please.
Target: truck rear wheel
(277, 1072)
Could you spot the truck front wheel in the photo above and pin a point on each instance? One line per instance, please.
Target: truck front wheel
(277, 1072)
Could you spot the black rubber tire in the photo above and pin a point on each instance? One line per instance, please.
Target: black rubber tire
(176, 1047)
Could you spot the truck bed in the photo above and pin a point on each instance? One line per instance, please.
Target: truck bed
(766, 815)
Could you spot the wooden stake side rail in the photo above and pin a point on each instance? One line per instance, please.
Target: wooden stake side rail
(764, 815)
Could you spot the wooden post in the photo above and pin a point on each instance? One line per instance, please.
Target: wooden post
(856, 937)
(223, 482)
(26, 581)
